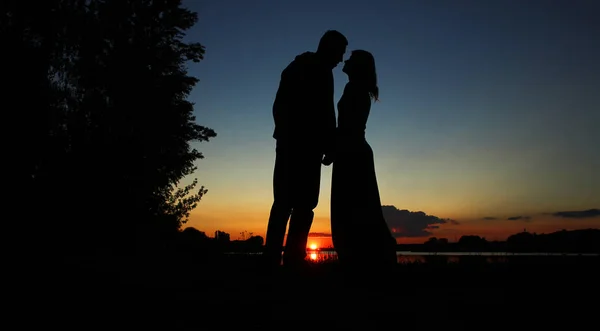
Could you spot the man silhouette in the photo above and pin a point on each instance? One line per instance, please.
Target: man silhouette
(304, 115)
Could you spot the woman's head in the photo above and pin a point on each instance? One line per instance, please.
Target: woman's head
(360, 68)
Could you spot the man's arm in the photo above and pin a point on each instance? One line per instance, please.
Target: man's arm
(282, 106)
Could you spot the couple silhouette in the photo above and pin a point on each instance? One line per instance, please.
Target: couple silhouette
(307, 137)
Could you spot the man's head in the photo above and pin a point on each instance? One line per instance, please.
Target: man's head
(332, 47)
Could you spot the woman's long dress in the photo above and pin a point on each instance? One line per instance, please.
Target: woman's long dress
(359, 232)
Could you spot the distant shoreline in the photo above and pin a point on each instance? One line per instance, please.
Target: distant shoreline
(332, 252)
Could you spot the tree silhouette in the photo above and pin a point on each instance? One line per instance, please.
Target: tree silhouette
(222, 236)
(107, 126)
(255, 241)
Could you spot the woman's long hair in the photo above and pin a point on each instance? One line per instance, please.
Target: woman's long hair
(365, 72)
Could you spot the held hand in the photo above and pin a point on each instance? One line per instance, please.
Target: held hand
(327, 160)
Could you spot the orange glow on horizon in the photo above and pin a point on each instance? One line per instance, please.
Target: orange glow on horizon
(498, 229)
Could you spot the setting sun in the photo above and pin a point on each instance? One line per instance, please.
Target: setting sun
(313, 246)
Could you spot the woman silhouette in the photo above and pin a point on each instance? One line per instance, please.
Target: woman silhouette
(359, 232)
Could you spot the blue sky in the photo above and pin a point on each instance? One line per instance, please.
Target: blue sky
(487, 108)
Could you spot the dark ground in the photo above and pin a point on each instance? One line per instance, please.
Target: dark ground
(538, 292)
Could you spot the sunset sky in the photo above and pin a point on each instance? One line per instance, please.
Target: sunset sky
(488, 110)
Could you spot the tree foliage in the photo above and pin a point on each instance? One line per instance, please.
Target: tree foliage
(102, 113)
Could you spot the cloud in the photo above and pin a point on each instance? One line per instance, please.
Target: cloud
(578, 214)
(451, 221)
(490, 218)
(519, 218)
(405, 223)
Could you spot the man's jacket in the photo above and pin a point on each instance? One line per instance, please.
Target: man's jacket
(304, 110)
